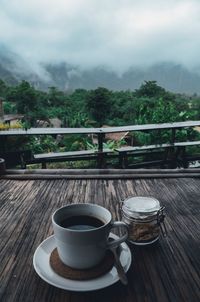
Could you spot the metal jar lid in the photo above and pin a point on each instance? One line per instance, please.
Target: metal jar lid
(140, 206)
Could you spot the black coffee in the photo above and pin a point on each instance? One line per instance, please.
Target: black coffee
(81, 223)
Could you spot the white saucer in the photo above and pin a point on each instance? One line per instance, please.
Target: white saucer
(44, 270)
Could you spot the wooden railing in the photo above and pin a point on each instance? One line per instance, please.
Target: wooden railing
(100, 133)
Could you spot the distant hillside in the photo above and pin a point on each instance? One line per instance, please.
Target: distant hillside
(13, 69)
(172, 77)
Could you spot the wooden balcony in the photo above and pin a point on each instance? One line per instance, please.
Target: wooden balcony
(168, 271)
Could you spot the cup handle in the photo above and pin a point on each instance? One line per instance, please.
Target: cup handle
(114, 243)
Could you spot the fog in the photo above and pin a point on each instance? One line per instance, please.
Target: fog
(116, 34)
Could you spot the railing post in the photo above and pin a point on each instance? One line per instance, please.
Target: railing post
(173, 159)
(100, 159)
(173, 137)
(101, 136)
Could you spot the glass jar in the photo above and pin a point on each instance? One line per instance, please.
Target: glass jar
(145, 219)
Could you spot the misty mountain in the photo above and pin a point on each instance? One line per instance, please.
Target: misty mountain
(13, 69)
(172, 77)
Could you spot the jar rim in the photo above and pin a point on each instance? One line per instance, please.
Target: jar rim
(141, 205)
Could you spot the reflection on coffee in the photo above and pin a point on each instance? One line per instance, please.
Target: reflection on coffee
(81, 222)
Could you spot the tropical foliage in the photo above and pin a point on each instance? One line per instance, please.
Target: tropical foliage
(93, 108)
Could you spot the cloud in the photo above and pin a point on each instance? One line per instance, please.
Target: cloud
(114, 33)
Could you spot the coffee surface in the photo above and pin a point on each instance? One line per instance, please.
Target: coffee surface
(81, 222)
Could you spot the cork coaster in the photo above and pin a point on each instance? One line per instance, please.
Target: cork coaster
(84, 274)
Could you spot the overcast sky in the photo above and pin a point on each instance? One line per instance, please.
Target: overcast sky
(115, 33)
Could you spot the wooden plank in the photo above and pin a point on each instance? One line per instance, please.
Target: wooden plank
(103, 171)
(49, 131)
(141, 148)
(158, 146)
(70, 153)
(97, 176)
(54, 131)
(63, 154)
(167, 271)
(187, 144)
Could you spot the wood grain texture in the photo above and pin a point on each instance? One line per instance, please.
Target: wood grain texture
(168, 271)
(97, 176)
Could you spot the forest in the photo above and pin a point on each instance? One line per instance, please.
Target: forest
(150, 104)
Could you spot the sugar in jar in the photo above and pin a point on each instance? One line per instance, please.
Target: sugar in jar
(145, 219)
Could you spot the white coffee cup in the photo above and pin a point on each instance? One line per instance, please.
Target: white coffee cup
(81, 246)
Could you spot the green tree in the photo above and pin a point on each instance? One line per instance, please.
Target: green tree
(9, 107)
(99, 104)
(24, 95)
(55, 97)
(150, 89)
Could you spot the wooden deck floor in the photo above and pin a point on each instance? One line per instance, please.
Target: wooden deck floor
(166, 272)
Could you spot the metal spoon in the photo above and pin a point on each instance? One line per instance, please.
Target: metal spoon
(118, 265)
